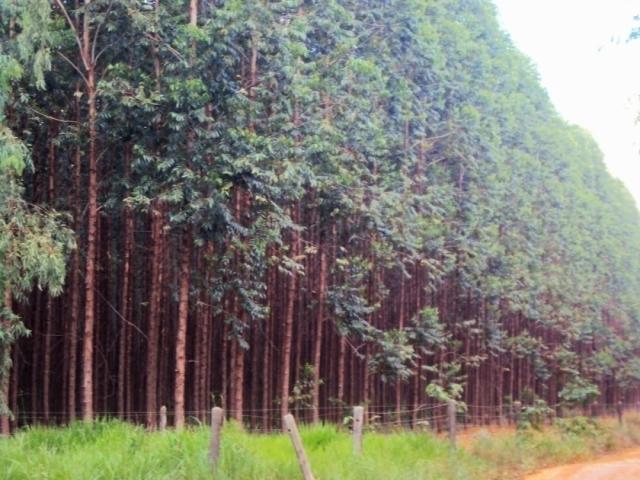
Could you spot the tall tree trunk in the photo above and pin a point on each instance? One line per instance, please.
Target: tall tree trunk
(15, 377)
(125, 330)
(317, 347)
(288, 331)
(72, 333)
(225, 358)
(254, 402)
(238, 379)
(184, 274)
(268, 338)
(155, 287)
(153, 320)
(35, 353)
(46, 366)
(5, 428)
(181, 333)
(92, 221)
(398, 389)
(203, 339)
(46, 369)
(237, 350)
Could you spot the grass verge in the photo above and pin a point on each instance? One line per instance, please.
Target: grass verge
(115, 450)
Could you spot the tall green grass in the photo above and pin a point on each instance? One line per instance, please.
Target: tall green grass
(115, 450)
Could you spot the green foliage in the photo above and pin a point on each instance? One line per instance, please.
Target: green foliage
(427, 332)
(410, 133)
(348, 299)
(33, 247)
(534, 414)
(33, 241)
(578, 391)
(301, 395)
(394, 356)
(579, 426)
(449, 384)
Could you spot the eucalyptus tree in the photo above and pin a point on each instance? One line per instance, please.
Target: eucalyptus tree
(312, 204)
(33, 240)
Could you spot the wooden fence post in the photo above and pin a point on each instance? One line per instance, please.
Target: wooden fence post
(451, 410)
(517, 411)
(358, 415)
(552, 417)
(620, 410)
(217, 417)
(163, 418)
(292, 429)
(502, 420)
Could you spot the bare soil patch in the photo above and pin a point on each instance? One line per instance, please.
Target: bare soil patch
(624, 465)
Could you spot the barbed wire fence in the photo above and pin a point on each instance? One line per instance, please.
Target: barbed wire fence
(443, 417)
(384, 417)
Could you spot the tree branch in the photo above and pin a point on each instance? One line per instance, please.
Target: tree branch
(49, 117)
(97, 32)
(75, 67)
(75, 32)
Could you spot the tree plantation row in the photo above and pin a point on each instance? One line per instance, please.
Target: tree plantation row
(299, 205)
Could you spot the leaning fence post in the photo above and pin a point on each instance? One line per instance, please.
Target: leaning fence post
(620, 409)
(451, 410)
(358, 415)
(163, 418)
(217, 418)
(292, 429)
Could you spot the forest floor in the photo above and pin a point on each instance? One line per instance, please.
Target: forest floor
(109, 450)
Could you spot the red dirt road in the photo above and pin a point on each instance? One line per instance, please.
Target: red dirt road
(620, 466)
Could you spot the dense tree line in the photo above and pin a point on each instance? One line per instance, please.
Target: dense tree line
(301, 204)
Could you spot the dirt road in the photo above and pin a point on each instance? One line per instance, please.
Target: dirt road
(620, 466)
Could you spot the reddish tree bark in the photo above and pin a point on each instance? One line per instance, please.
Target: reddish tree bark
(181, 333)
(238, 380)
(288, 331)
(401, 320)
(74, 308)
(125, 329)
(153, 320)
(317, 347)
(46, 369)
(92, 222)
(5, 428)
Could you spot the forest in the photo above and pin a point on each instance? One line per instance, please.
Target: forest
(299, 205)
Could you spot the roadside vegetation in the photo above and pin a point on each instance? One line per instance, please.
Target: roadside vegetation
(116, 450)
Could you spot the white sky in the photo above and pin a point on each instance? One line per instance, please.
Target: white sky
(591, 72)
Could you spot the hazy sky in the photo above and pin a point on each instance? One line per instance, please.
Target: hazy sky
(589, 69)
